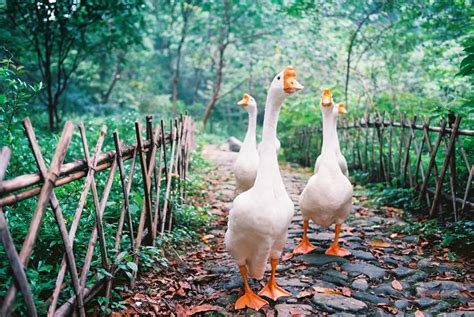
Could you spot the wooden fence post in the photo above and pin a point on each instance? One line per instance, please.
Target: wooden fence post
(168, 185)
(7, 241)
(95, 196)
(419, 153)
(406, 166)
(432, 162)
(57, 213)
(359, 155)
(43, 200)
(379, 126)
(468, 188)
(449, 153)
(146, 184)
(75, 221)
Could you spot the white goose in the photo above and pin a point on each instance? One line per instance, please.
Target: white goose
(340, 108)
(327, 197)
(259, 219)
(245, 166)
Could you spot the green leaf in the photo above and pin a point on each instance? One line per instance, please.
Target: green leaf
(132, 266)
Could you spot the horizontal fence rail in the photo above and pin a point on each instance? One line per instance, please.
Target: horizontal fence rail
(405, 153)
(163, 159)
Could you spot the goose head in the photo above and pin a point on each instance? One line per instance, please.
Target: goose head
(339, 108)
(248, 103)
(327, 103)
(285, 83)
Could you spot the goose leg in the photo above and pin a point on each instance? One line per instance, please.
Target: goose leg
(249, 299)
(305, 246)
(334, 249)
(272, 290)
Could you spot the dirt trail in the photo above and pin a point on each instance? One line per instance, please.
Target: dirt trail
(387, 274)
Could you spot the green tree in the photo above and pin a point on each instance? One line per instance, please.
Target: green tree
(64, 34)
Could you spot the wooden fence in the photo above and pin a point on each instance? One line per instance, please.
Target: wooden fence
(161, 153)
(408, 153)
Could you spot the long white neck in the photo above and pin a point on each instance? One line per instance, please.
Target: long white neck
(268, 171)
(270, 120)
(330, 140)
(337, 147)
(250, 136)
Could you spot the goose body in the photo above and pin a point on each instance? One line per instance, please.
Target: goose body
(258, 226)
(259, 219)
(327, 197)
(245, 166)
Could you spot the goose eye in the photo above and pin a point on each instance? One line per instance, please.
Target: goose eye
(278, 77)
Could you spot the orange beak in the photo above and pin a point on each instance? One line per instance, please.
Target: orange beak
(341, 108)
(326, 98)
(245, 101)
(290, 84)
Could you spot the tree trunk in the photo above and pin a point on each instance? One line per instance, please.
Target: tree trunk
(184, 30)
(115, 78)
(197, 84)
(217, 86)
(349, 52)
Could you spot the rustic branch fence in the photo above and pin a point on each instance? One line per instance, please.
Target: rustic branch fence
(155, 218)
(402, 153)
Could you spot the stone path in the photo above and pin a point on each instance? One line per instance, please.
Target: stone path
(387, 274)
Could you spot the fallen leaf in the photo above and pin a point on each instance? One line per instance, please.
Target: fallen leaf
(419, 314)
(184, 284)
(287, 256)
(346, 292)
(397, 285)
(466, 293)
(406, 251)
(326, 290)
(180, 311)
(392, 310)
(181, 292)
(305, 293)
(206, 238)
(203, 308)
(380, 244)
(436, 295)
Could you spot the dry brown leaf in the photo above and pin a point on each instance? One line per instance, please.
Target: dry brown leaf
(184, 284)
(392, 310)
(326, 290)
(203, 308)
(436, 295)
(419, 314)
(305, 293)
(181, 292)
(346, 292)
(180, 311)
(397, 285)
(206, 238)
(466, 293)
(380, 244)
(287, 256)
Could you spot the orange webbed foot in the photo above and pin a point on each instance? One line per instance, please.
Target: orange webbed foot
(337, 251)
(250, 300)
(273, 291)
(304, 247)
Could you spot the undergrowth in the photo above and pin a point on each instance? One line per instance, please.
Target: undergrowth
(441, 232)
(190, 218)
